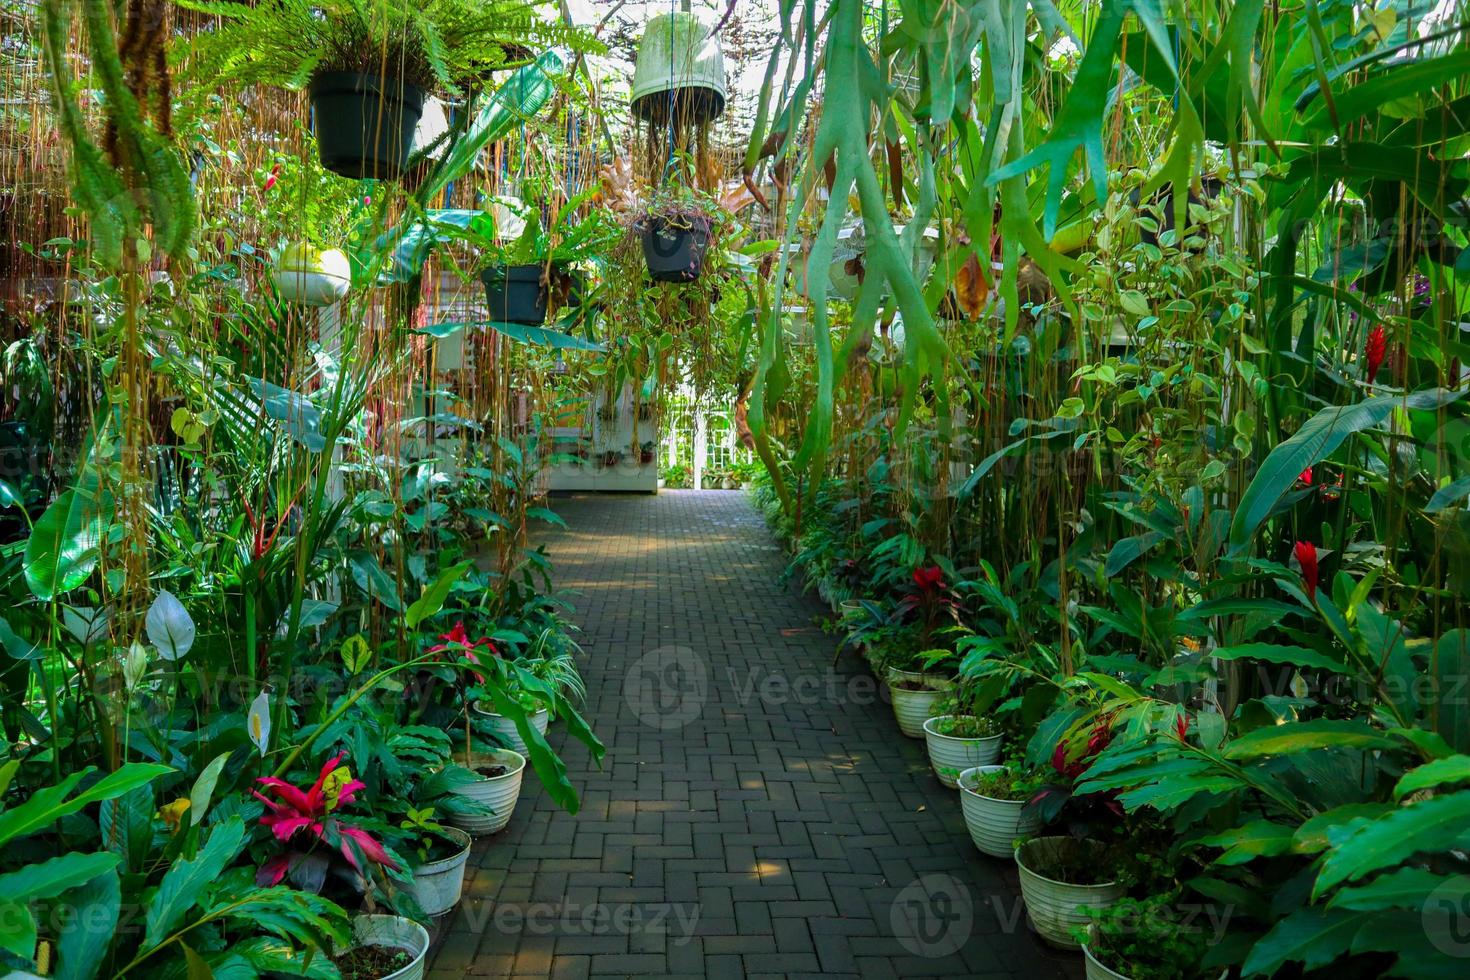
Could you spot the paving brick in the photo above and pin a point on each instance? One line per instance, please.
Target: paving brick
(780, 818)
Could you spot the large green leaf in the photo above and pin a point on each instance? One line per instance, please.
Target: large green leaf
(1311, 444)
(62, 550)
(1278, 654)
(50, 878)
(1304, 736)
(49, 804)
(433, 598)
(1312, 936)
(1428, 826)
(521, 333)
(1406, 888)
(185, 881)
(95, 907)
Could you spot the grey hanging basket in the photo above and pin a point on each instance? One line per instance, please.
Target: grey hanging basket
(681, 68)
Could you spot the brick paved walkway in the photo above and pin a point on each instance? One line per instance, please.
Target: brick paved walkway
(758, 813)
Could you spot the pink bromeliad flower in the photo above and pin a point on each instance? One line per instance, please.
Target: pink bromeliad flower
(296, 811)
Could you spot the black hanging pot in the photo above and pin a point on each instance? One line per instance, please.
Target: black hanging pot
(674, 248)
(364, 124)
(515, 294)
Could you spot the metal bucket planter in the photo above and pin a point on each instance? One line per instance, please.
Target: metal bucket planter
(437, 885)
(364, 123)
(515, 294)
(994, 824)
(505, 728)
(1097, 970)
(395, 932)
(673, 249)
(1052, 905)
(679, 73)
(951, 755)
(499, 793)
(911, 708)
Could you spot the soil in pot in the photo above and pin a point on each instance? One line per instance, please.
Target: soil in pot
(371, 962)
(490, 772)
(364, 123)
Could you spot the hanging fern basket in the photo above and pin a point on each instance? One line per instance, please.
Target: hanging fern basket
(364, 123)
(680, 72)
(674, 248)
(515, 294)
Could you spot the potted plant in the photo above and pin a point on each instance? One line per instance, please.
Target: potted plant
(494, 782)
(438, 877)
(610, 458)
(675, 231)
(1060, 875)
(1143, 939)
(533, 272)
(993, 799)
(368, 66)
(384, 947)
(551, 660)
(957, 742)
(311, 276)
(914, 695)
(646, 454)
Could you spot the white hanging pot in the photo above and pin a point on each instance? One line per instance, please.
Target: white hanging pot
(437, 885)
(310, 276)
(395, 932)
(505, 728)
(681, 67)
(499, 793)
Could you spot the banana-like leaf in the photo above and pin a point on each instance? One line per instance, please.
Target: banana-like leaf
(1312, 443)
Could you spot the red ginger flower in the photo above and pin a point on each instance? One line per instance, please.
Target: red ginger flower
(929, 577)
(1306, 476)
(295, 810)
(458, 640)
(1181, 725)
(271, 180)
(1306, 556)
(1374, 351)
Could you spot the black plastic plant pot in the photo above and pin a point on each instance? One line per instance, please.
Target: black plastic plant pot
(674, 248)
(515, 294)
(364, 124)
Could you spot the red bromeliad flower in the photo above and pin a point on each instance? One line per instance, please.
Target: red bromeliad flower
(1306, 556)
(929, 577)
(1181, 725)
(1306, 476)
(294, 811)
(458, 641)
(1374, 351)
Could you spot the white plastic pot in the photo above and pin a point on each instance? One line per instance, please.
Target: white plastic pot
(437, 885)
(499, 793)
(993, 824)
(1052, 905)
(397, 932)
(310, 276)
(911, 708)
(951, 755)
(505, 728)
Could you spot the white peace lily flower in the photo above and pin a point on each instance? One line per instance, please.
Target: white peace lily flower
(135, 665)
(259, 721)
